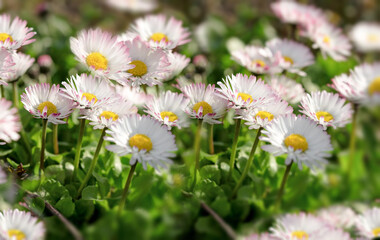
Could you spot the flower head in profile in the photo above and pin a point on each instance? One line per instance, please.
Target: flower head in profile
(22, 63)
(141, 6)
(291, 56)
(14, 34)
(331, 41)
(46, 102)
(159, 31)
(338, 216)
(287, 89)
(16, 224)
(169, 109)
(149, 142)
(102, 54)
(177, 63)
(148, 64)
(264, 114)
(327, 109)
(300, 226)
(300, 138)
(10, 124)
(108, 114)
(366, 36)
(88, 91)
(368, 223)
(362, 86)
(134, 95)
(256, 59)
(242, 91)
(205, 103)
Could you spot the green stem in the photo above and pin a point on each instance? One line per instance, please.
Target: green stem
(2, 91)
(211, 139)
(282, 188)
(197, 148)
(126, 188)
(55, 139)
(353, 137)
(79, 146)
(15, 93)
(43, 143)
(249, 162)
(93, 163)
(234, 147)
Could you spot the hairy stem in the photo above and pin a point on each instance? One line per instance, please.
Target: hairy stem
(197, 149)
(79, 146)
(234, 147)
(126, 188)
(43, 143)
(282, 187)
(55, 139)
(211, 139)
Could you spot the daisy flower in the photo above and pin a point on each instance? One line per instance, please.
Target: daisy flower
(262, 115)
(3, 176)
(46, 103)
(133, 95)
(102, 54)
(106, 115)
(169, 109)
(88, 91)
(242, 91)
(331, 41)
(298, 137)
(288, 11)
(159, 31)
(205, 103)
(14, 34)
(263, 236)
(145, 138)
(327, 109)
(256, 59)
(141, 6)
(6, 64)
(148, 64)
(362, 86)
(338, 216)
(22, 63)
(292, 56)
(368, 224)
(10, 124)
(300, 226)
(332, 234)
(16, 224)
(366, 36)
(177, 63)
(287, 89)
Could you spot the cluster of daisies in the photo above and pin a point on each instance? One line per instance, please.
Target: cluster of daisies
(13, 64)
(333, 223)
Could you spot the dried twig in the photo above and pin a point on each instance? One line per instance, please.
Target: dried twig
(227, 228)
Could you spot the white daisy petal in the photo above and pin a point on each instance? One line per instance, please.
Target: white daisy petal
(368, 224)
(10, 124)
(15, 34)
(287, 89)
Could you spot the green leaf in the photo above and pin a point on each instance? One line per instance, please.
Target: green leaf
(90, 193)
(37, 205)
(209, 226)
(55, 172)
(103, 184)
(211, 172)
(221, 206)
(66, 206)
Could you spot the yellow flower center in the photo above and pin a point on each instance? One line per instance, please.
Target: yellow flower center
(108, 115)
(260, 63)
(5, 36)
(288, 59)
(157, 37)
(327, 116)
(245, 97)
(298, 142)
(264, 115)
(139, 70)
(326, 39)
(171, 115)
(376, 232)
(141, 141)
(374, 87)
(373, 38)
(206, 107)
(89, 97)
(301, 235)
(97, 61)
(16, 234)
(51, 108)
